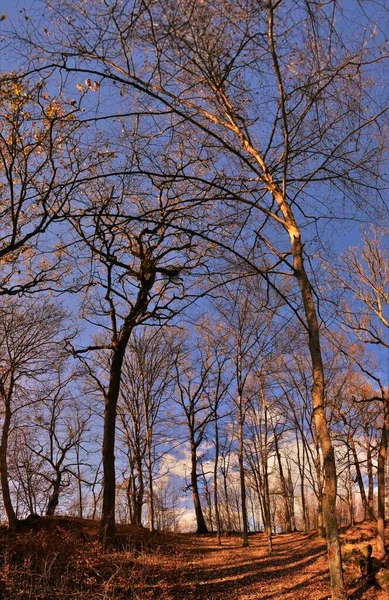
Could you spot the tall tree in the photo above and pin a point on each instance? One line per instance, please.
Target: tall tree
(135, 251)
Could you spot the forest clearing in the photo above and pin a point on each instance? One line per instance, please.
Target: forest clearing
(60, 558)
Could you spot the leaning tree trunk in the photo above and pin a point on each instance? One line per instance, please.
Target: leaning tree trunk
(329, 495)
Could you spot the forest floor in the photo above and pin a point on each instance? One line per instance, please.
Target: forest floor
(60, 559)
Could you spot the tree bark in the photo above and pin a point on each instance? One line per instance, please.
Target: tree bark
(9, 510)
(54, 497)
(201, 525)
(329, 495)
(381, 469)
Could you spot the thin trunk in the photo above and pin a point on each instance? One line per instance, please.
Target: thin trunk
(381, 469)
(301, 466)
(208, 500)
(139, 495)
(352, 447)
(245, 537)
(284, 489)
(131, 496)
(319, 525)
(329, 496)
(290, 488)
(79, 484)
(350, 493)
(151, 491)
(359, 477)
(215, 483)
(227, 499)
(149, 461)
(267, 507)
(370, 478)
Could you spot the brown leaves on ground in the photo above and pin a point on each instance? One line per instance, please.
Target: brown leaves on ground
(60, 558)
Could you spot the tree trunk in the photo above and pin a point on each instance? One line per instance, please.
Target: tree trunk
(266, 487)
(151, 491)
(54, 497)
(227, 498)
(149, 444)
(381, 469)
(369, 463)
(284, 488)
(201, 525)
(9, 510)
(215, 483)
(139, 493)
(107, 526)
(245, 536)
(329, 496)
(359, 477)
(79, 484)
(301, 466)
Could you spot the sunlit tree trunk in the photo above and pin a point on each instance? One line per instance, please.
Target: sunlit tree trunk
(381, 471)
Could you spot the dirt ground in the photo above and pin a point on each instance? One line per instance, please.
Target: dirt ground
(296, 570)
(60, 559)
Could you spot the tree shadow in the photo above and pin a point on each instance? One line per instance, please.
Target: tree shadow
(362, 589)
(265, 572)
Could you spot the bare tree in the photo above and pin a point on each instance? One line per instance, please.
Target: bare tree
(147, 379)
(137, 252)
(365, 280)
(32, 338)
(61, 425)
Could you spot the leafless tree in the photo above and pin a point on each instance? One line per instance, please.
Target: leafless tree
(32, 338)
